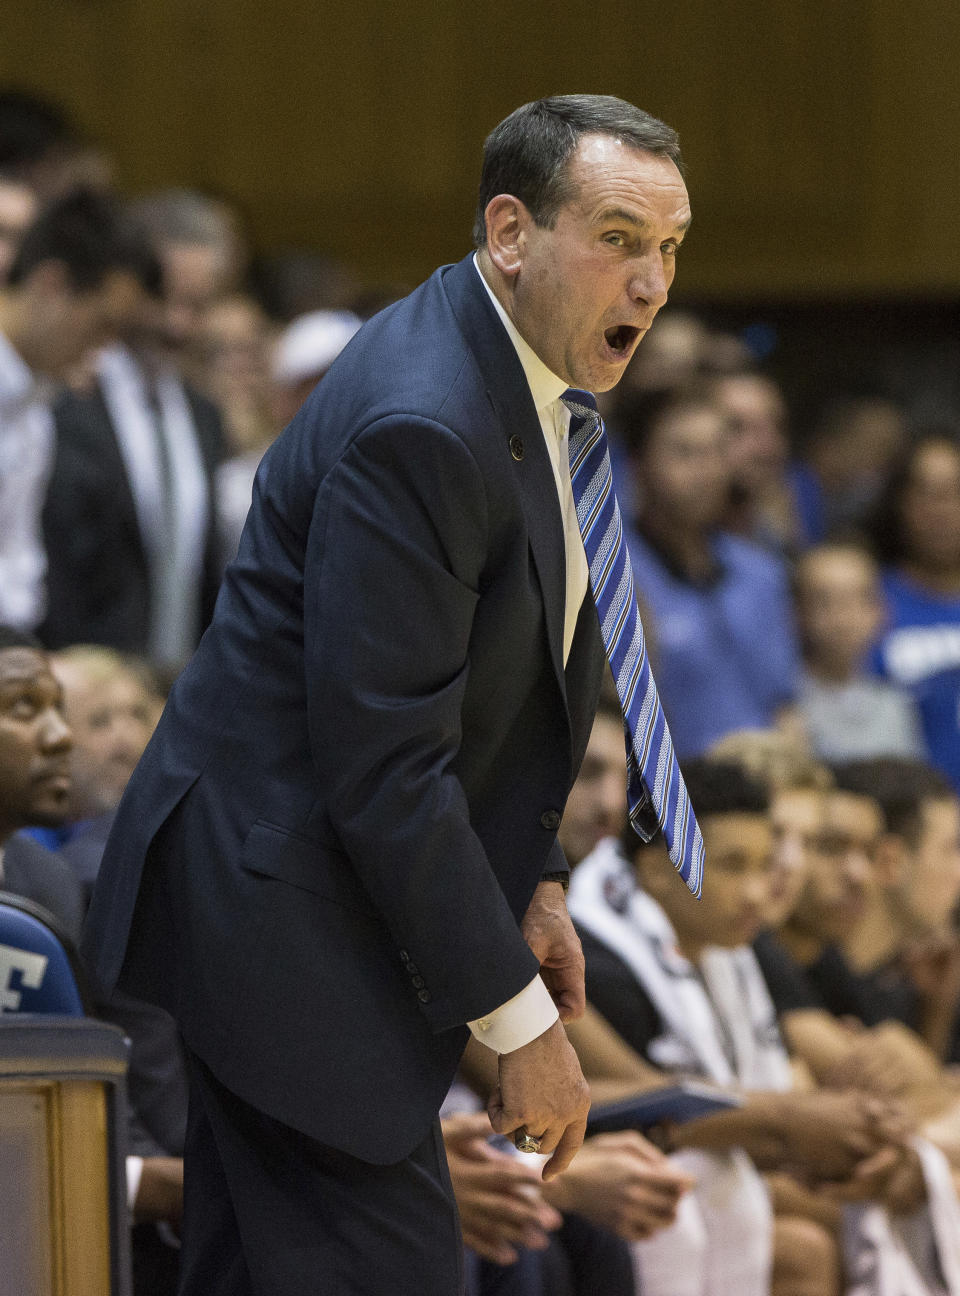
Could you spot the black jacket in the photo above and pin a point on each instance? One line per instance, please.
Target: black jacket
(360, 775)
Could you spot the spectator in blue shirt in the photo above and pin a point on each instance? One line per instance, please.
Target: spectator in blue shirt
(774, 500)
(720, 604)
(918, 541)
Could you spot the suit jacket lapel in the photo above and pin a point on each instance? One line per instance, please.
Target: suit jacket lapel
(510, 396)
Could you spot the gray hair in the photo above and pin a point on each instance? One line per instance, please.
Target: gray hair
(186, 216)
(527, 154)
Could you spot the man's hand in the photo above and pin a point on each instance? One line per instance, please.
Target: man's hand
(828, 1135)
(499, 1196)
(818, 1136)
(622, 1183)
(893, 1176)
(541, 1088)
(549, 932)
(160, 1194)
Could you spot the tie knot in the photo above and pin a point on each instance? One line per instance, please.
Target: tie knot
(583, 404)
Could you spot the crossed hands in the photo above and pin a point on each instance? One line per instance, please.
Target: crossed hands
(856, 1147)
(619, 1182)
(622, 1183)
(499, 1195)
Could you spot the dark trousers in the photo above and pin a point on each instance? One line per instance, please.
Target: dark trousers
(581, 1260)
(270, 1212)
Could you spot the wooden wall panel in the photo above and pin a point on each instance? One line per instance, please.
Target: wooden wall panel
(822, 137)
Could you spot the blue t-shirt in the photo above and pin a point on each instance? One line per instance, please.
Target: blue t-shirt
(920, 651)
(725, 651)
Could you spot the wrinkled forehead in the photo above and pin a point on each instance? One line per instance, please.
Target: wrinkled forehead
(19, 666)
(605, 172)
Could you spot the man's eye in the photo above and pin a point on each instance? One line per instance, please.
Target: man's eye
(23, 709)
(670, 248)
(615, 240)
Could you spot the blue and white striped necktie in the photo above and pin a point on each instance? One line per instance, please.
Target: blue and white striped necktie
(653, 774)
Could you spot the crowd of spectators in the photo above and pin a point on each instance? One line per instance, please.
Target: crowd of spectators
(801, 595)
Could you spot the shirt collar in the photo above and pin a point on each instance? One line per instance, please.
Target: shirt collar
(545, 386)
(19, 386)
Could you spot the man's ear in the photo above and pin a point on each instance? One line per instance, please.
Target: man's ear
(890, 861)
(506, 220)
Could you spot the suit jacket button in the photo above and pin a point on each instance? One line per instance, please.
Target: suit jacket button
(412, 968)
(550, 820)
(404, 956)
(423, 996)
(419, 982)
(516, 447)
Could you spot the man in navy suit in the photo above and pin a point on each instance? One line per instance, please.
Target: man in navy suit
(339, 851)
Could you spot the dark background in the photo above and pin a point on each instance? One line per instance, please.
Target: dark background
(822, 139)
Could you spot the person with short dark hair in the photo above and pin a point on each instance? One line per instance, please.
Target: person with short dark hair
(905, 951)
(18, 208)
(129, 515)
(67, 289)
(773, 501)
(678, 980)
(847, 712)
(35, 784)
(917, 540)
(709, 591)
(346, 821)
(681, 982)
(35, 744)
(41, 146)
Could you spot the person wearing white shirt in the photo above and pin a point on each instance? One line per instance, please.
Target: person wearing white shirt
(67, 285)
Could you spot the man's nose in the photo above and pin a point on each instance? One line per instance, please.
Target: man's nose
(650, 283)
(55, 734)
(614, 800)
(857, 869)
(756, 891)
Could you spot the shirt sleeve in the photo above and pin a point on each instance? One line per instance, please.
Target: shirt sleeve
(519, 1021)
(134, 1173)
(788, 984)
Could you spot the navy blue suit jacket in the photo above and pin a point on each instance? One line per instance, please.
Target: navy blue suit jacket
(320, 865)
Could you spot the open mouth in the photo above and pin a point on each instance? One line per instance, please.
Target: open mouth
(621, 338)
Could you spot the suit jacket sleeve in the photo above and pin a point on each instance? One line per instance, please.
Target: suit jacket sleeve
(393, 571)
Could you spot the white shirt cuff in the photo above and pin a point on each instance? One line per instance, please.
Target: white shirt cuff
(518, 1021)
(134, 1171)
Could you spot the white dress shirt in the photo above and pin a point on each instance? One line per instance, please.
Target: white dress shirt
(158, 444)
(532, 1011)
(26, 459)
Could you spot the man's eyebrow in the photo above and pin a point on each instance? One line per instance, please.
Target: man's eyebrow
(630, 218)
(620, 214)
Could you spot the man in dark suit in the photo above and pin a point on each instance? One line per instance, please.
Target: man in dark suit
(339, 851)
(129, 524)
